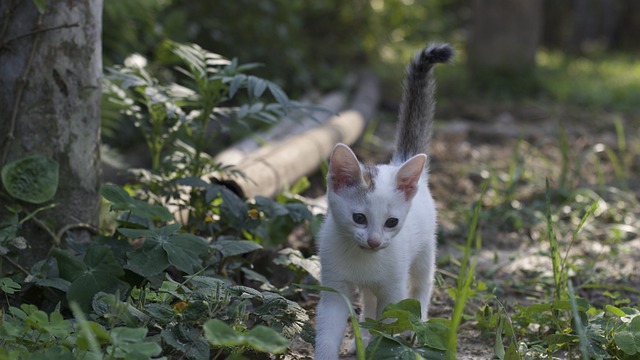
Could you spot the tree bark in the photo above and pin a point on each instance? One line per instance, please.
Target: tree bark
(50, 81)
(504, 34)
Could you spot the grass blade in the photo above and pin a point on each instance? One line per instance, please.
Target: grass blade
(465, 278)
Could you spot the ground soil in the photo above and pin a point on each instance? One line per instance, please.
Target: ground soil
(472, 140)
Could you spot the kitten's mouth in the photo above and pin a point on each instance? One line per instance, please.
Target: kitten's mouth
(364, 247)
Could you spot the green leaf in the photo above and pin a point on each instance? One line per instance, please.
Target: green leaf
(404, 313)
(32, 179)
(235, 247)
(626, 341)
(615, 311)
(256, 86)
(101, 273)
(163, 313)
(388, 348)
(129, 343)
(149, 260)
(279, 95)
(218, 333)
(122, 201)
(8, 286)
(432, 334)
(163, 247)
(259, 338)
(236, 82)
(69, 267)
(40, 5)
(58, 326)
(9, 228)
(184, 251)
(267, 340)
(186, 339)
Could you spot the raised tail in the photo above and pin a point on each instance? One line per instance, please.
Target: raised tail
(418, 103)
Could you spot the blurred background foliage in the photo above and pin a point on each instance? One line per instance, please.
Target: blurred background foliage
(583, 51)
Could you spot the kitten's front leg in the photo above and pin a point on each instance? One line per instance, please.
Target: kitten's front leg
(331, 320)
(368, 300)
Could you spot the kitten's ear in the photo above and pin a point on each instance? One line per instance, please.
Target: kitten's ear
(344, 168)
(409, 175)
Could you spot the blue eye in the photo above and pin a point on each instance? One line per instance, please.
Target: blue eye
(391, 223)
(359, 218)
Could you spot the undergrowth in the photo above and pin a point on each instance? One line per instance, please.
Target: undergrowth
(186, 268)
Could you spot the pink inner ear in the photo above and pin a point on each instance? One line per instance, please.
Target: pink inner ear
(409, 175)
(344, 168)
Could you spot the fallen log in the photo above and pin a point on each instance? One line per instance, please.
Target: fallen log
(272, 168)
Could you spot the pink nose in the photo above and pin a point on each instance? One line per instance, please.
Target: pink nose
(373, 243)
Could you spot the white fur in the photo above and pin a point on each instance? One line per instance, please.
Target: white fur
(401, 267)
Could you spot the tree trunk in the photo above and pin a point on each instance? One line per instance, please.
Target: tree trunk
(504, 34)
(50, 81)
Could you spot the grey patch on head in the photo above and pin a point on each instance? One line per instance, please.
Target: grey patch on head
(369, 174)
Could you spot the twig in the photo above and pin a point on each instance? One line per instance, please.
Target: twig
(43, 226)
(7, 19)
(21, 85)
(37, 31)
(68, 227)
(16, 265)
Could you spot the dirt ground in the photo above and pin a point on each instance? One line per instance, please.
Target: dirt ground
(470, 141)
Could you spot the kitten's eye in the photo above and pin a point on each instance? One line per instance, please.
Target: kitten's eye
(391, 223)
(359, 218)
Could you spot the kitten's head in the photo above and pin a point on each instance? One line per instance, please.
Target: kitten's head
(370, 203)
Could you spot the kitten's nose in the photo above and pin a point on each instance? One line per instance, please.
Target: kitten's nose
(373, 243)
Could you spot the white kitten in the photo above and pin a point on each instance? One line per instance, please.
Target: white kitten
(379, 233)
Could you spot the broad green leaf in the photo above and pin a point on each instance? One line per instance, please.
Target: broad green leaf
(185, 250)
(404, 314)
(163, 247)
(116, 195)
(149, 260)
(121, 201)
(432, 334)
(218, 333)
(163, 313)
(69, 267)
(298, 212)
(186, 339)
(129, 343)
(626, 341)
(267, 340)
(388, 348)
(260, 338)
(33, 179)
(102, 271)
(235, 247)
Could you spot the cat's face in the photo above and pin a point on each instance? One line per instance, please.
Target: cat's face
(370, 203)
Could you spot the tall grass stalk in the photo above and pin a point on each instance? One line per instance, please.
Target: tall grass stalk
(590, 211)
(554, 251)
(564, 151)
(579, 327)
(465, 278)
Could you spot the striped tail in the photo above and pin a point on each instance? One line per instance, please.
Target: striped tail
(418, 103)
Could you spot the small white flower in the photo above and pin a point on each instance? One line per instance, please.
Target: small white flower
(135, 61)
